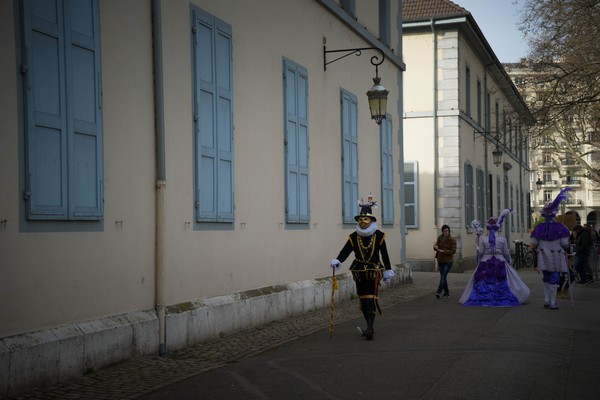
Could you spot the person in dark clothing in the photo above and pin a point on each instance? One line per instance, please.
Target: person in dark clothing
(445, 247)
(583, 247)
(367, 243)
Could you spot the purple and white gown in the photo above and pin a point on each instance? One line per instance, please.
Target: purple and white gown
(494, 283)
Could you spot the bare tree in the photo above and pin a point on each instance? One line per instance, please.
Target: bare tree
(564, 38)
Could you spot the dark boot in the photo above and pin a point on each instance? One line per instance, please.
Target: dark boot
(370, 317)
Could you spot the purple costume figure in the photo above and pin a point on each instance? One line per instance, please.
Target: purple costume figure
(494, 283)
(550, 239)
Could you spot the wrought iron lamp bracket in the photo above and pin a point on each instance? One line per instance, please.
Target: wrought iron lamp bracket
(376, 60)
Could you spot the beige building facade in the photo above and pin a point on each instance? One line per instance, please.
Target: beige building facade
(174, 170)
(460, 107)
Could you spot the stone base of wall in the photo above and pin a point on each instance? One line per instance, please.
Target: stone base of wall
(49, 356)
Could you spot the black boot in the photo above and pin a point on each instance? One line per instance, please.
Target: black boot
(370, 317)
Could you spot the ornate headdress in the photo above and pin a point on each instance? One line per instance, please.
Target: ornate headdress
(550, 229)
(551, 208)
(495, 224)
(366, 209)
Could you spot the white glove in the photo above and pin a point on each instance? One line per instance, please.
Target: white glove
(335, 263)
(387, 274)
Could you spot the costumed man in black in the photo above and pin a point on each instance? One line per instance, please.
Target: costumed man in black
(367, 242)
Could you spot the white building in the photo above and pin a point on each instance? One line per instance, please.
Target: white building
(554, 169)
(174, 169)
(460, 107)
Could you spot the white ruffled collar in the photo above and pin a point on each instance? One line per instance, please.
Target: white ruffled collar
(370, 231)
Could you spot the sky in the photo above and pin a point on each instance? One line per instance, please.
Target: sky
(498, 21)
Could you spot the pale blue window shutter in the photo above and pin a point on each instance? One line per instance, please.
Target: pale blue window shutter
(83, 94)
(411, 194)
(349, 157)
(387, 171)
(296, 143)
(213, 115)
(61, 65)
(480, 194)
(469, 216)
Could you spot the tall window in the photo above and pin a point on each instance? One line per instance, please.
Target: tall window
(349, 156)
(384, 22)
(512, 206)
(509, 133)
(387, 171)
(490, 196)
(488, 112)
(213, 116)
(411, 194)
(479, 100)
(498, 194)
(468, 91)
(296, 143)
(469, 196)
(497, 109)
(349, 6)
(62, 100)
(521, 209)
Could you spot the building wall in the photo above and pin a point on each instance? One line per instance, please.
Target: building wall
(460, 140)
(67, 287)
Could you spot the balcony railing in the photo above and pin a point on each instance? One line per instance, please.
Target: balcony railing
(571, 182)
(550, 183)
(574, 203)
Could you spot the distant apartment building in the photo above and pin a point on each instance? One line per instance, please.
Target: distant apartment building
(553, 169)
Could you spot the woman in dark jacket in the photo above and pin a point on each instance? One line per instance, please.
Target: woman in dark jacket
(444, 247)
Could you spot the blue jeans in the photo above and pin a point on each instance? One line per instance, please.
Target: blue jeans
(444, 269)
(580, 265)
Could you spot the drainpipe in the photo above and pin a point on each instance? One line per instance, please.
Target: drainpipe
(161, 181)
(436, 162)
(400, 111)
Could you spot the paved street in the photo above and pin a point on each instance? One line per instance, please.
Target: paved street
(424, 348)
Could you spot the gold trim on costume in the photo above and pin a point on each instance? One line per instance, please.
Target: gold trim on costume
(369, 296)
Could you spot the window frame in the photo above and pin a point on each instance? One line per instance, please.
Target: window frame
(387, 170)
(415, 197)
(297, 199)
(213, 151)
(74, 126)
(469, 194)
(349, 149)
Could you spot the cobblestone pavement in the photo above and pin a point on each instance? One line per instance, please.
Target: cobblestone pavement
(136, 377)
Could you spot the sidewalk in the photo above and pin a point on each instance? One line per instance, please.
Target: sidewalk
(139, 376)
(426, 348)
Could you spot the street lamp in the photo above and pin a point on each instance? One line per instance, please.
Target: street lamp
(539, 183)
(377, 100)
(377, 95)
(497, 156)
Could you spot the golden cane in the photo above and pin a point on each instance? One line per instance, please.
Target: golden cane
(334, 287)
